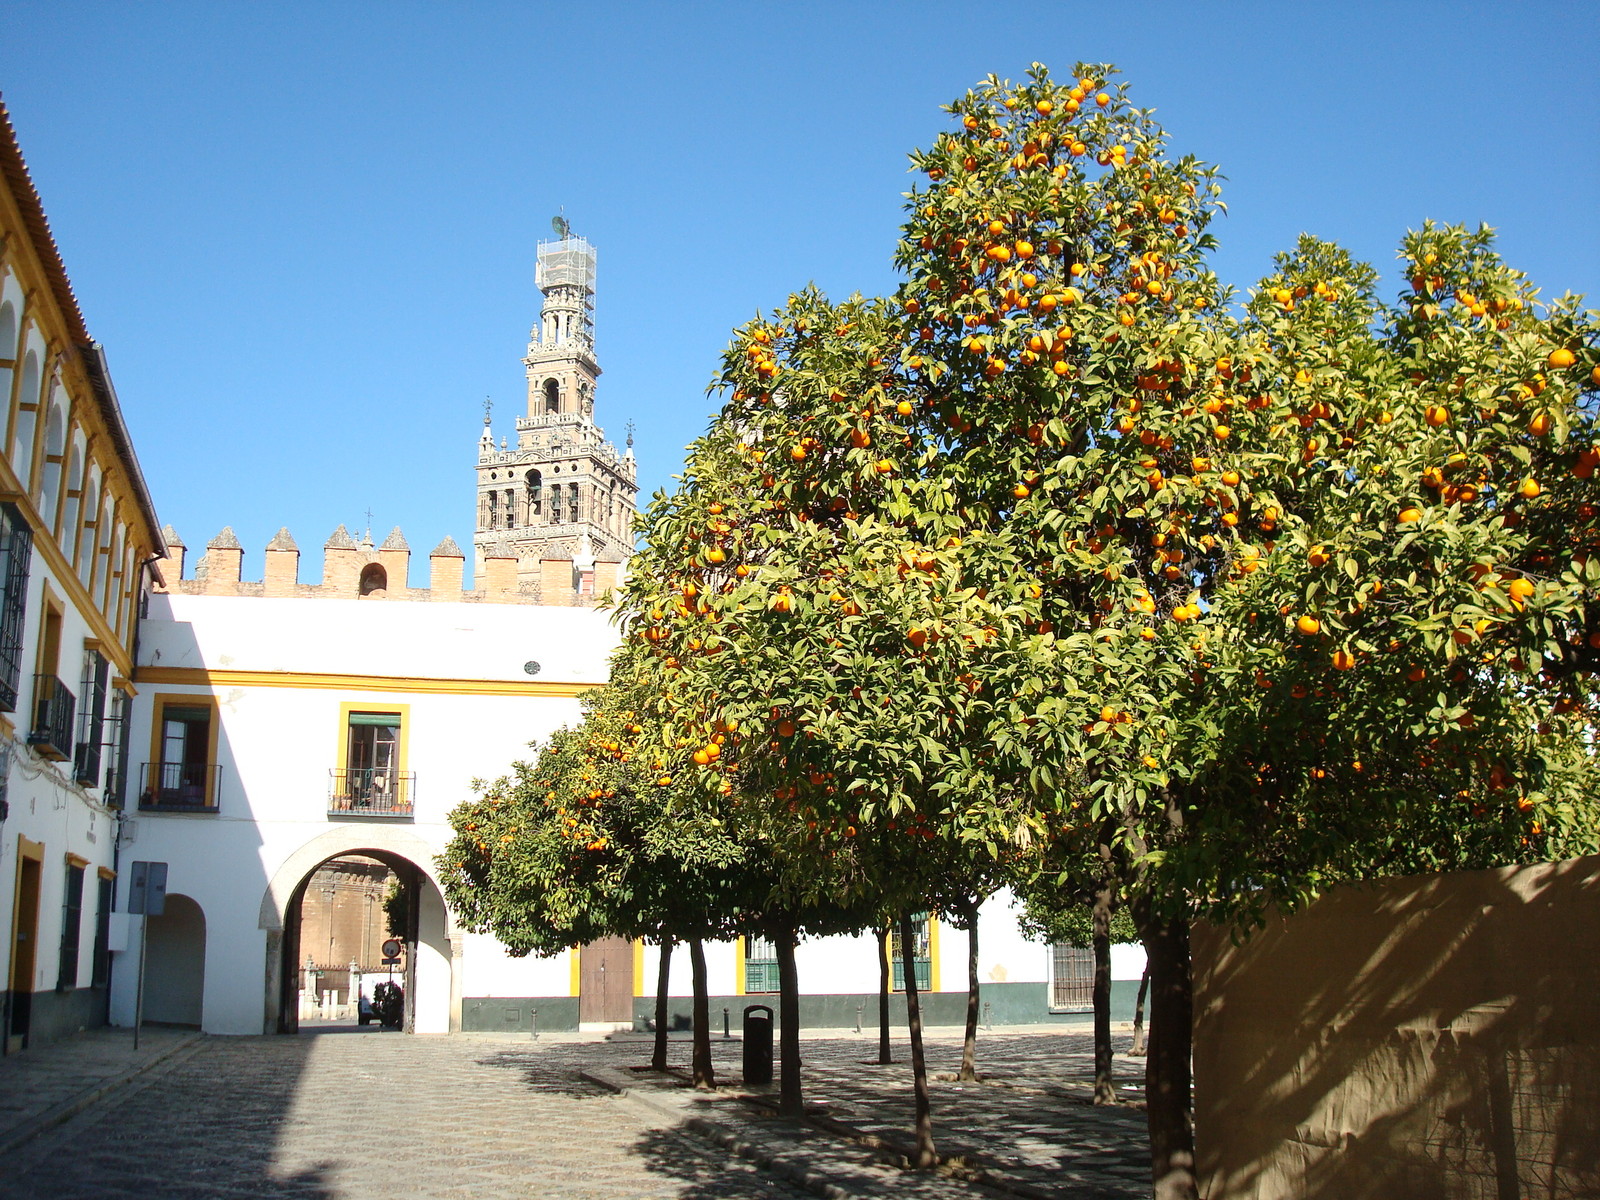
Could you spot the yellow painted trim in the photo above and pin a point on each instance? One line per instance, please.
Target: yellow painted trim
(7, 727)
(124, 685)
(30, 849)
(741, 950)
(106, 873)
(49, 603)
(933, 954)
(204, 677)
(76, 860)
(577, 975)
(638, 968)
(403, 711)
(45, 544)
(159, 703)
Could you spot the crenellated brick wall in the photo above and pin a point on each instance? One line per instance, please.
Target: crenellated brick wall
(359, 570)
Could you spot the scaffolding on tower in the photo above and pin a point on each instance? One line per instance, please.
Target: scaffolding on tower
(568, 262)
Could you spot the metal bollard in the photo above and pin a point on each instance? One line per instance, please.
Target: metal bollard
(727, 1032)
(757, 1044)
(859, 1007)
(533, 1024)
(988, 1015)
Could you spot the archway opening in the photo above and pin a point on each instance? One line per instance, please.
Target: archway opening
(374, 580)
(363, 930)
(552, 396)
(175, 969)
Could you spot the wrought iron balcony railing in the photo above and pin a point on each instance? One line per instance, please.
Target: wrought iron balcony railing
(371, 792)
(53, 710)
(179, 787)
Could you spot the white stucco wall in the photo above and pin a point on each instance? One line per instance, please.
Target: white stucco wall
(280, 733)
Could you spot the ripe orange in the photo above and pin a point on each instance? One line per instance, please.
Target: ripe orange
(1102, 99)
(1317, 556)
(1230, 478)
(798, 453)
(1343, 660)
(1408, 515)
(1530, 489)
(1308, 625)
(1561, 358)
(903, 408)
(884, 466)
(1020, 491)
(1437, 414)
(1221, 432)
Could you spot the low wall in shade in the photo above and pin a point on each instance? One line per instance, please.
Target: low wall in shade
(54, 1015)
(1432, 1038)
(1009, 1004)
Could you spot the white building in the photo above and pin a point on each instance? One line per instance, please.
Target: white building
(76, 532)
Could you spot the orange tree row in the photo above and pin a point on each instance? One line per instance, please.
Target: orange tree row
(1061, 560)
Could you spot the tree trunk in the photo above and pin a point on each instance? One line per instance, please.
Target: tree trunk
(704, 1076)
(969, 1045)
(790, 1101)
(885, 1055)
(658, 1061)
(1169, 1103)
(1105, 1085)
(926, 1156)
(1137, 1050)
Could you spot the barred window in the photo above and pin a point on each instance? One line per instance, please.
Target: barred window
(760, 965)
(1071, 977)
(921, 954)
(91, 718)
(16, 555)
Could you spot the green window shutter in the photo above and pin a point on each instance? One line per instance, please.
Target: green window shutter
(383, 720)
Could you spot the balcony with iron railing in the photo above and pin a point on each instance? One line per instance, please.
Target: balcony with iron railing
(371, 792)
(179, 787)
(54, 708)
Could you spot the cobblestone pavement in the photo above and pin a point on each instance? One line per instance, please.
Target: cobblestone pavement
(46, 1085)
(348, 1115)
(352, 1116)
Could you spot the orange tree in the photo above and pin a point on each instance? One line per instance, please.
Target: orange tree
(816, 599)
(582, 843)
(1310, 600)
(1059, 546)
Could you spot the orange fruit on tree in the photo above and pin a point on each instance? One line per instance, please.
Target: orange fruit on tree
(1540, 425)
(1530, 489)
(1437, 414)
(1561, 358)
(1020, 491)
(1343, 660)
(1317, 556)
(1308, 625)
(1408, 515)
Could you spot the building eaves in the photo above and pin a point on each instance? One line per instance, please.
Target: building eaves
(20, 184)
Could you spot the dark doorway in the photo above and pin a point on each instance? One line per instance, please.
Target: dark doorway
(24, 956)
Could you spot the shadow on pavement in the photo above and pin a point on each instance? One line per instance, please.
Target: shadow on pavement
(207, 1125)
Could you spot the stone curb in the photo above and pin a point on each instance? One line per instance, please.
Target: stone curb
(24, 1132)
(718, 1134)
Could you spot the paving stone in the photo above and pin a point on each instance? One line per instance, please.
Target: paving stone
(353, 1116)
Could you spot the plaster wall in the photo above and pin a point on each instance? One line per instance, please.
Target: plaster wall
(279, 672)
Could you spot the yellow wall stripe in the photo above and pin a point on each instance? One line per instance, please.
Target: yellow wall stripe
(204, 677)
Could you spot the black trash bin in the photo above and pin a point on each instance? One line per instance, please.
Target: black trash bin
(757, 1044)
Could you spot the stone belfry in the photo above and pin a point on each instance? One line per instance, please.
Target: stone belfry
(561, 501)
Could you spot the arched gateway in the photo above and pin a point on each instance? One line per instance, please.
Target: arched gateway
(433, 939)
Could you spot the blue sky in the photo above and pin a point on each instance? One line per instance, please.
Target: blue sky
(306, 232)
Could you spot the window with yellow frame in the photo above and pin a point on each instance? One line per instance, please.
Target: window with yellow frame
(371, 777)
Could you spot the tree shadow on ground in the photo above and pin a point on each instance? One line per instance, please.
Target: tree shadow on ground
(547, 1074)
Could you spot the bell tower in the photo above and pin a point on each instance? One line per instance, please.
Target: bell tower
(561, 501)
